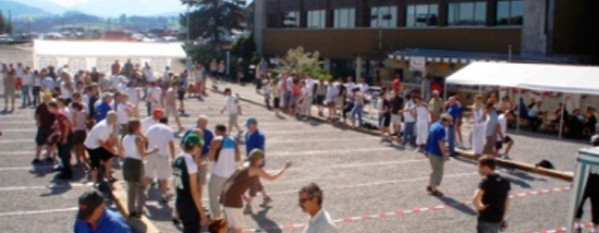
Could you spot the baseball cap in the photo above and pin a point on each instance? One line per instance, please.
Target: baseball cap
(88, 203)
(595, 139)
(157, 112)
(251, 120)
(255, 154)
(192, 139)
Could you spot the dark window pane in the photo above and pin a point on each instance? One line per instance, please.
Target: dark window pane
(480, 13)
(516, 12)
(503, 12)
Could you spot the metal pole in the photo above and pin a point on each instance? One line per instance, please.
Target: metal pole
(445, 90)
(561, 120)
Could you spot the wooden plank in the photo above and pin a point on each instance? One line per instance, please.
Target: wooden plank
(143, 225)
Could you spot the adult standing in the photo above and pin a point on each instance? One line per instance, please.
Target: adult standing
(37, 87)
(134, 144)
(453, 109)
(396, 84)
(124, 112)
(233, 109)
(44, 120)
(189, 200)
(502, 139)
(331, 96)
(102, 108)
(202, 158)
(492, 130)
(358, 108)
(148, 73)
(306, 100)
(422, 122)
(224, 153)
(150, 121)
(435, 106)
(134, 96)
(158, 164)
(10, 81)
(384, 108)
(182, 83)
(170, 100)
(63, 133)
(491, 198)
(239, 183)
(396, 110)
(321, 91)
(27, 80)
(115, 68)
(437, 152)
(409, 116)
(478, 126)
(310, 198)
(154, 98)
(100, 146)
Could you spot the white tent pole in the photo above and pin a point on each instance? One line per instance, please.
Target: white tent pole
(519, 116)
(561, 120)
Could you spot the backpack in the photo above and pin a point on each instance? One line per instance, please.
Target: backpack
(545, 164)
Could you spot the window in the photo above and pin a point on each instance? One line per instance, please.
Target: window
(467, 13)
(509, 12)
(383, 17)
(422, 15)
(291, 19)
(345, 18)
(316, 19)
(272, 21)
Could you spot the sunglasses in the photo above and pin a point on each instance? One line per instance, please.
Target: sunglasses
(303, 200)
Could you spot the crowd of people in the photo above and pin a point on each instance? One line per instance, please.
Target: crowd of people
(96, 117)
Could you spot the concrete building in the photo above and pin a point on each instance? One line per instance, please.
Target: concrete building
(378, 39)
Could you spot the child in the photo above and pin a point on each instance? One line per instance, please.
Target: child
(80, 133)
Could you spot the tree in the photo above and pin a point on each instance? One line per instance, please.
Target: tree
(302, 63)
(214, 20)
(1, 23)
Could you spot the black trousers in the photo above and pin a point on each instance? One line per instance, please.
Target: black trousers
(591, 192)
(64, 152)
(190, 217)
(348, 107)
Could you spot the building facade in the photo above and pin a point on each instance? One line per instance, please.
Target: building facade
(377, 39)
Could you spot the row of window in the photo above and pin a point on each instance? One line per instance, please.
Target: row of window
(509, 12)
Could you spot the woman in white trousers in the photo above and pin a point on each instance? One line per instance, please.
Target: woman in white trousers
(478, 126)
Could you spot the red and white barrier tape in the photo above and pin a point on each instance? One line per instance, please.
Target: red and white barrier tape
(406, 211)
(563, 229)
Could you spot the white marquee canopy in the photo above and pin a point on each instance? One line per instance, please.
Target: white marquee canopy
(84, 55)
(540, 77)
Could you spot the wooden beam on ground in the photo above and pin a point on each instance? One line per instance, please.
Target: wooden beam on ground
(143, 225)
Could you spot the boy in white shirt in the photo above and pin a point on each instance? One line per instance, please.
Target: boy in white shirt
(154, 98)
(233, 109)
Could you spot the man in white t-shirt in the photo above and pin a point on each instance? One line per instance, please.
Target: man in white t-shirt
(364, 87)
(158, 165)
(332, 93)
(349, 85)
(27, 81)
(154, 98)
(134, 95)
(66, 86)
(116, 82)
(306, 100)
(148, 73)
(503, 119)
(233, 109)
(101, 146)
(150, 121)
(409, 116)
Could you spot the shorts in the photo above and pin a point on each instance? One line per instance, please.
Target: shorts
(98, 155)
(395, 119)
(171, 110)
(79, 137)
(384, 120)
(41, 138)
(330, 103)
(232, 119)
(499, 145)
(181, 95)
(234, 217)
(319, 100)
(276, 102)
(489, 144)
(158, 166)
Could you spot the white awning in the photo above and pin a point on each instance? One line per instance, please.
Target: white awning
(540, 77)
(107, 49)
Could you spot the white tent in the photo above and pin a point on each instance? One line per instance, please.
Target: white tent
(587, 160)
(84, 55)
(540, 77)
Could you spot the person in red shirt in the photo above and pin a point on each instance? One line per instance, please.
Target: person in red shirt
(396, 82)
(62, 134)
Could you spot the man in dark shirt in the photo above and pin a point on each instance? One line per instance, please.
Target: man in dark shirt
(491, 199)
(44, 119)
(396, 107)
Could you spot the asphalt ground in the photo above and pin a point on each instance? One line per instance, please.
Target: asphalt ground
(369, 186)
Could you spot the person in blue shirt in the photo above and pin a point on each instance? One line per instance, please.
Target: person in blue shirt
(254, 139)
(453, 109)
(437, 152)
(94, 217)
(201, 125)
(102, 108)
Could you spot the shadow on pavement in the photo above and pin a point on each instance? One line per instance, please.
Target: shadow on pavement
(162, 213)
(458, 206)
(264, 222)
(57, 187)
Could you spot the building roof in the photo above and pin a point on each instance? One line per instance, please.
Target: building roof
(107, 49)
(446, 56)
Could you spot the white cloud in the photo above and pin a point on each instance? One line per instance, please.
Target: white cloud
(68, 3)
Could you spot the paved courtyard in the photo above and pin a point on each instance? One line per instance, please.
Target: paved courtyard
(369, 186)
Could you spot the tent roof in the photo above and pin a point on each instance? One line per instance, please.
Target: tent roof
(107, 48)
(542, 77)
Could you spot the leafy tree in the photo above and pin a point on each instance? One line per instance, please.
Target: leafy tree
(302, 63)
(214, 20)
(1, 23)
